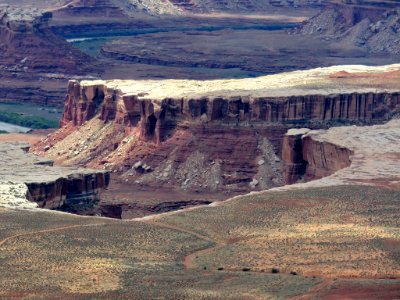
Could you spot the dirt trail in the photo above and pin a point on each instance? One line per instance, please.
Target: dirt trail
(2, 242)
(189, 259)
(313, 292)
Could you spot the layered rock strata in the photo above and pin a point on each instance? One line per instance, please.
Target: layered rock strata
(308, 159)
(294, 165)
(367, 26)
(157, 118)
(324, 158)
(158, 106)
(23, 32)
(351, 155)
(34, 61)
(26, 180)
(164, 132)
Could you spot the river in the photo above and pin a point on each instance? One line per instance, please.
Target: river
(11, 128)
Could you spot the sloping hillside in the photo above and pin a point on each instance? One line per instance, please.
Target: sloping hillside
(370, 25)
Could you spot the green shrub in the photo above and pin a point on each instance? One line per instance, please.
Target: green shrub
(275, 270)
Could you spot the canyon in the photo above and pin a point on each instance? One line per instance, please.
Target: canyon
(153, 135)
(148, 40)
(207, 149)
(344, 225)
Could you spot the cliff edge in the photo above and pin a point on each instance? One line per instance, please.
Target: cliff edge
(212, 135)
(29, 181)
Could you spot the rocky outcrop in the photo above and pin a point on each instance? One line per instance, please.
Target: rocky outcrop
(72, 193)
(24, 31)
(294, 165)
(157, 119)
(46, 185)
(307, 158)
(336, 18)
(371, 26)
(213, 135)
(323, 158)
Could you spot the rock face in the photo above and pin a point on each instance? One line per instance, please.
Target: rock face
(294, 165)
(351, 155)
(47, 186)
(309, 159)
(158, 119)
(212, 135)
(324, 158)
(23, 31)
(68, 193)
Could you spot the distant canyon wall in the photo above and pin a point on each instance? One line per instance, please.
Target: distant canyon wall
(34, 61)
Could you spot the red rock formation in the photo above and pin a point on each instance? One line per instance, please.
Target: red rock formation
(22, 35)
(236, 139)
(294, 165)
(157, 119)
(47, 185)
(309, 158)
(34, 61)
(323, 158)
(71, 191)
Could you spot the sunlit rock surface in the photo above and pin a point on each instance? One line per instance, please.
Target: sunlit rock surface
(28, 181)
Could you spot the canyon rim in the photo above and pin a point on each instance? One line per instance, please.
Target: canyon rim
(199, 149)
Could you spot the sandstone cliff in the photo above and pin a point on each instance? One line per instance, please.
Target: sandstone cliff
(308, 159)
(28, 177)
(158, 118)
(24, 31)
(210, 135)
(346, 155)
(294, 165)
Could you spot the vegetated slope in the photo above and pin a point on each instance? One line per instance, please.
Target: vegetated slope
(223, 252)
(370, 25)
(34, 122)
(80, 258)
(330, 232)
